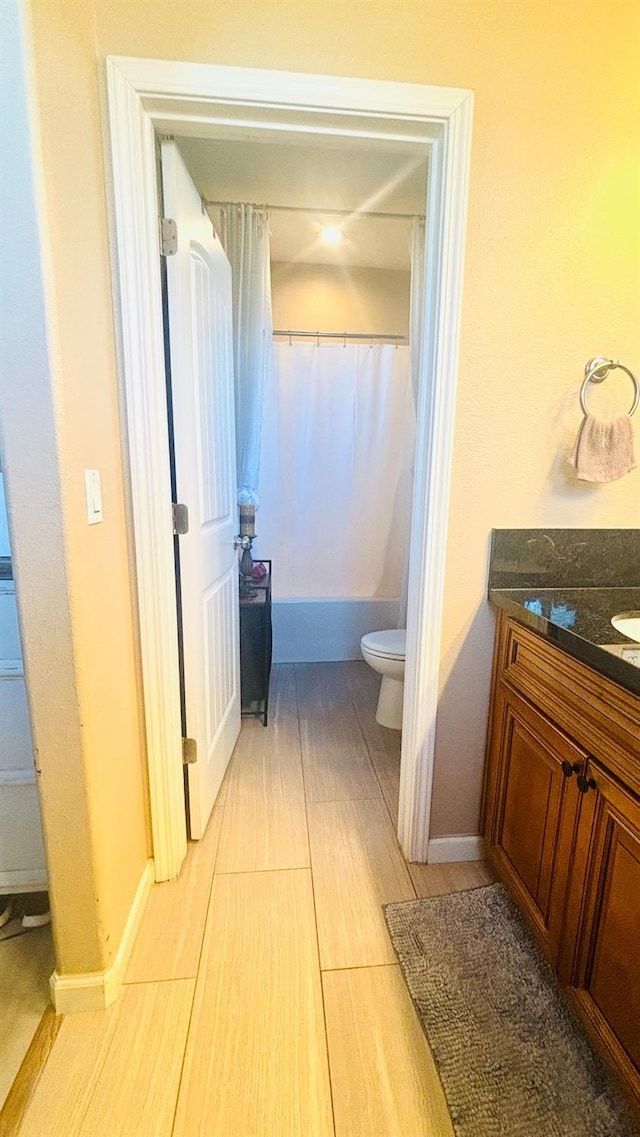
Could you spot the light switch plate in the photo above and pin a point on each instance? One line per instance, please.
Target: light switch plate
(94, 496)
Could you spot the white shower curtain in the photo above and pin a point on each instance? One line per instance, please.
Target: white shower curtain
(335, 480)
(244, 232)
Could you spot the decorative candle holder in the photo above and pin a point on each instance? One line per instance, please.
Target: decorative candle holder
(247, 520)
(247, 592)
(245, 542)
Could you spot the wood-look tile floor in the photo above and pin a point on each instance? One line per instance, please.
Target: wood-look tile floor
(262, 998)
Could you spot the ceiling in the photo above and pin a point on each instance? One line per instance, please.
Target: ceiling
(353, 175)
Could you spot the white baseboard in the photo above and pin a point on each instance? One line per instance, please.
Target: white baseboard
(31, 880)
(95, 990)
(444, 850)
(313, 631)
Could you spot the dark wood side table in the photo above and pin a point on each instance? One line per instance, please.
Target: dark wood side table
(255, 648)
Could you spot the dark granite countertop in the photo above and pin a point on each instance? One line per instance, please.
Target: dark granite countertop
(566, 585)
(579, 620)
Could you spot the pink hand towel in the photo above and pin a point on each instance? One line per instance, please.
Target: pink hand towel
(603, 451)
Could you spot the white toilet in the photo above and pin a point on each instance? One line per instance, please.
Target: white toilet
(384, 652)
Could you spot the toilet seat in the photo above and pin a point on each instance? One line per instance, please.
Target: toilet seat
(387, 645)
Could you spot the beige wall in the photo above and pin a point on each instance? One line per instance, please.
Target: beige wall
(552, 278)
(33, 486)
(84, 682)
(309, 297)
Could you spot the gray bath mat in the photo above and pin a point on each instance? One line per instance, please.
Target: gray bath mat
(512, 1059)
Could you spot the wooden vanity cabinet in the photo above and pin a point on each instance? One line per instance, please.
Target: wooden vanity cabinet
(561, 818)
(600, 951)
(530, 829)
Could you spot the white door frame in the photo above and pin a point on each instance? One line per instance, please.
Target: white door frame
(200, 99)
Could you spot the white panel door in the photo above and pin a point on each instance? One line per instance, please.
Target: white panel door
(201, 354)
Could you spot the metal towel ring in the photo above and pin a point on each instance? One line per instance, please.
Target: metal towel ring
(596, 370)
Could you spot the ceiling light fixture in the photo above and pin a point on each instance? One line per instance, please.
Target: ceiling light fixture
(332, 235)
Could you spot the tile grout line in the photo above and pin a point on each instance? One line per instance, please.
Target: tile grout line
(266, 760)
(366, 744)
(148, 982)
(368, 750)
(382, 794)
(358, 967)
(342, 800)
(197, 975)
(251, 872)
(367, 754)
(91, 1089)
(315, 912)
(99, 1068)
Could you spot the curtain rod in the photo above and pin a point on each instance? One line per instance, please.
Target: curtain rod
(341, 335)
(315, 209)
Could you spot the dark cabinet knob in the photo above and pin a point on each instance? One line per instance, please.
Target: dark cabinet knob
(569, 768)
(586, 784)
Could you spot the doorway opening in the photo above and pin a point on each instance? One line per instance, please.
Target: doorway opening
(148, 96)
(326, 432)
(337, 439)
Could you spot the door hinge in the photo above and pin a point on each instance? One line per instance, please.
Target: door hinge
(189, 751)
(180, 518)
(168, 237)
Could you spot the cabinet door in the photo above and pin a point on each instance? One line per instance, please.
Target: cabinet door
(533, 814)
(601, 950)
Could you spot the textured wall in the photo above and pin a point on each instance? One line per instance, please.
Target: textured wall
(348, 299)
(33, 486)
(74, 580)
